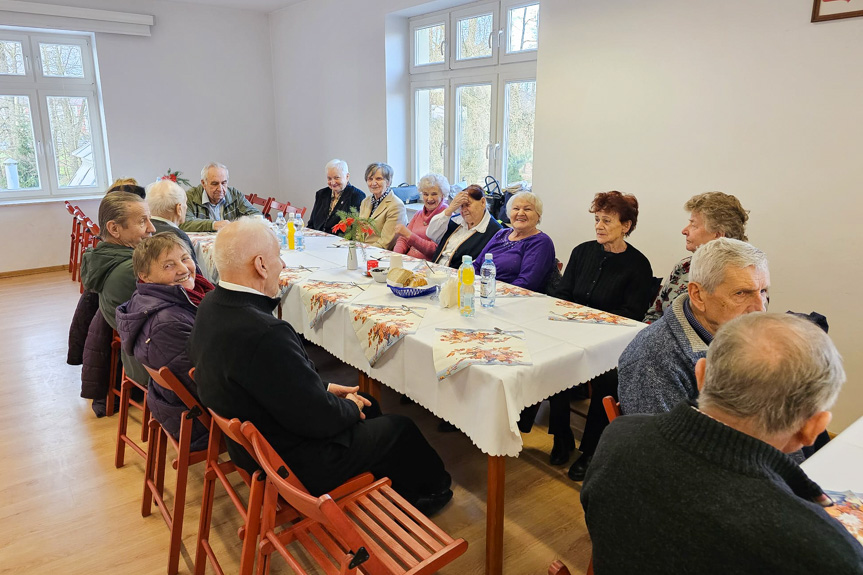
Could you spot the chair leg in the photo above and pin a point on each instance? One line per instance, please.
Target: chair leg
(180, 497)
(253, 523)
(150, 468)
(115, 366)
(204, 522)
(122, 423)
(145, 417)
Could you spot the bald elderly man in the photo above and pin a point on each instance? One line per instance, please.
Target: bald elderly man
(710, 488)
(252, 366)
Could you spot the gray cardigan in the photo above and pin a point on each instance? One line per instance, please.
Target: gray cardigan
(656, 371)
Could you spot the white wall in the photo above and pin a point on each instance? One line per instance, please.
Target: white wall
(665, 101)
(199, 89)
(744, 96)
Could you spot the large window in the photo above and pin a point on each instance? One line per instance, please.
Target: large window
(51, 141)
(473, 80)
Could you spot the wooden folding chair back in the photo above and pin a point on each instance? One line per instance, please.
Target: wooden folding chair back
(154, 475)
(296, 210)
(276, 206)
(558, 568)
(612, 407)
(74, 241)
(371, 528)
(264, 203)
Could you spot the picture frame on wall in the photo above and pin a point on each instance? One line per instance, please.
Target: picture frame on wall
(824, 10)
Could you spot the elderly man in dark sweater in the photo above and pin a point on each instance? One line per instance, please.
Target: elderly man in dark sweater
(252, 366)
(656, 371)
(711, 489)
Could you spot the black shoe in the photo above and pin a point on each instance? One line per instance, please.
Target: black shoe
(99, 407)
(579, 468)
(446, 427)
(428, 505)
(561, 450)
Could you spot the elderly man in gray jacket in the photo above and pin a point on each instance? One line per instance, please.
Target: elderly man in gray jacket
(727, 278)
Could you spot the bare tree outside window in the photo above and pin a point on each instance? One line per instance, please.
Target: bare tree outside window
(523, 28)
(474, 37)
(11, 58)
(70, 134)
(17, 142)
(61, 60)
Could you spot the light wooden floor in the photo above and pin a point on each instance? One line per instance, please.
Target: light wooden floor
(65, 509)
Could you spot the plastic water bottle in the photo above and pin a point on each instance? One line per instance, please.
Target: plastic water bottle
(487, 282)
(466, 305)
(299, 238)
(292, 234)
(280, 230)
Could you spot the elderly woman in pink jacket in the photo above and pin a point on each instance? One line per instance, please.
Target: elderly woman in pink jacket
(412, 239)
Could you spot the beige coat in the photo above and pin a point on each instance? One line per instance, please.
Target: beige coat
(390, 212)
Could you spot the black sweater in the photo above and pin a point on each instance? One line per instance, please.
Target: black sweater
(614, 283)
(321, 218)
(681, 492)
(252, 366)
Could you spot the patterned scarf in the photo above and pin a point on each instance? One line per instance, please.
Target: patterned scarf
(377, 202)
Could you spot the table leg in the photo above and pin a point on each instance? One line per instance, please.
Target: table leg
(369, 385)
(494, 516)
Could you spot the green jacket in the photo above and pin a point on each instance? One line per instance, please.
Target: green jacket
(107, 270)
(198, 217)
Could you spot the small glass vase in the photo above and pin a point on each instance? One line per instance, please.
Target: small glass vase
(352, 256)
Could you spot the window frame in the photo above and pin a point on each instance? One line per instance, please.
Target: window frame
(506, 68)
(426, 22)
(456, 16)
(524, 55)
(39, 88)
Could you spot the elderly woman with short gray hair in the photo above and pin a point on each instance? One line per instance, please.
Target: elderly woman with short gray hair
(412, 239)
(339, 196)
(523, 255)
(711, 215)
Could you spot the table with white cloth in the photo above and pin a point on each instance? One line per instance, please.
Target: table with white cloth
(483, 401)
(838, 466)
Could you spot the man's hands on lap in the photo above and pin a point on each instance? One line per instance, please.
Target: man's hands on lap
(349, 393)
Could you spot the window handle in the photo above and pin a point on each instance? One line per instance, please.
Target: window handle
(490, 36)
(488, 151)
(442, 149)
(442, 44)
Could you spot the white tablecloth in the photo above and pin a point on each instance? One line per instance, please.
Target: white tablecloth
(483, 401)
(838, 466)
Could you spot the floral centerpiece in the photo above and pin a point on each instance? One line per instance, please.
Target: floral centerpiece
(174, 176)
(354, 227)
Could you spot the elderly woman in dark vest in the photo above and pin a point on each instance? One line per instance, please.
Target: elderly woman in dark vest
(465, 234)
(339, 195)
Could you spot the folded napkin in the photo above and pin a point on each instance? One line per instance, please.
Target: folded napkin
(507, 290)
(379, 327)
(320, 296)
(315, 233)
(568, 311)
(456, 349)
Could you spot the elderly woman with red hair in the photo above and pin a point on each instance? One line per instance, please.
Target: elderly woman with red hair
(610, 275)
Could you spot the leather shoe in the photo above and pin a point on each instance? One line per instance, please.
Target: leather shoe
(561, 449)
(579, 468)
(428, 505)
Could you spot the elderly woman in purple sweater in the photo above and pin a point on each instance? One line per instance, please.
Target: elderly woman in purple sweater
(523, 255)
(412, 238)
